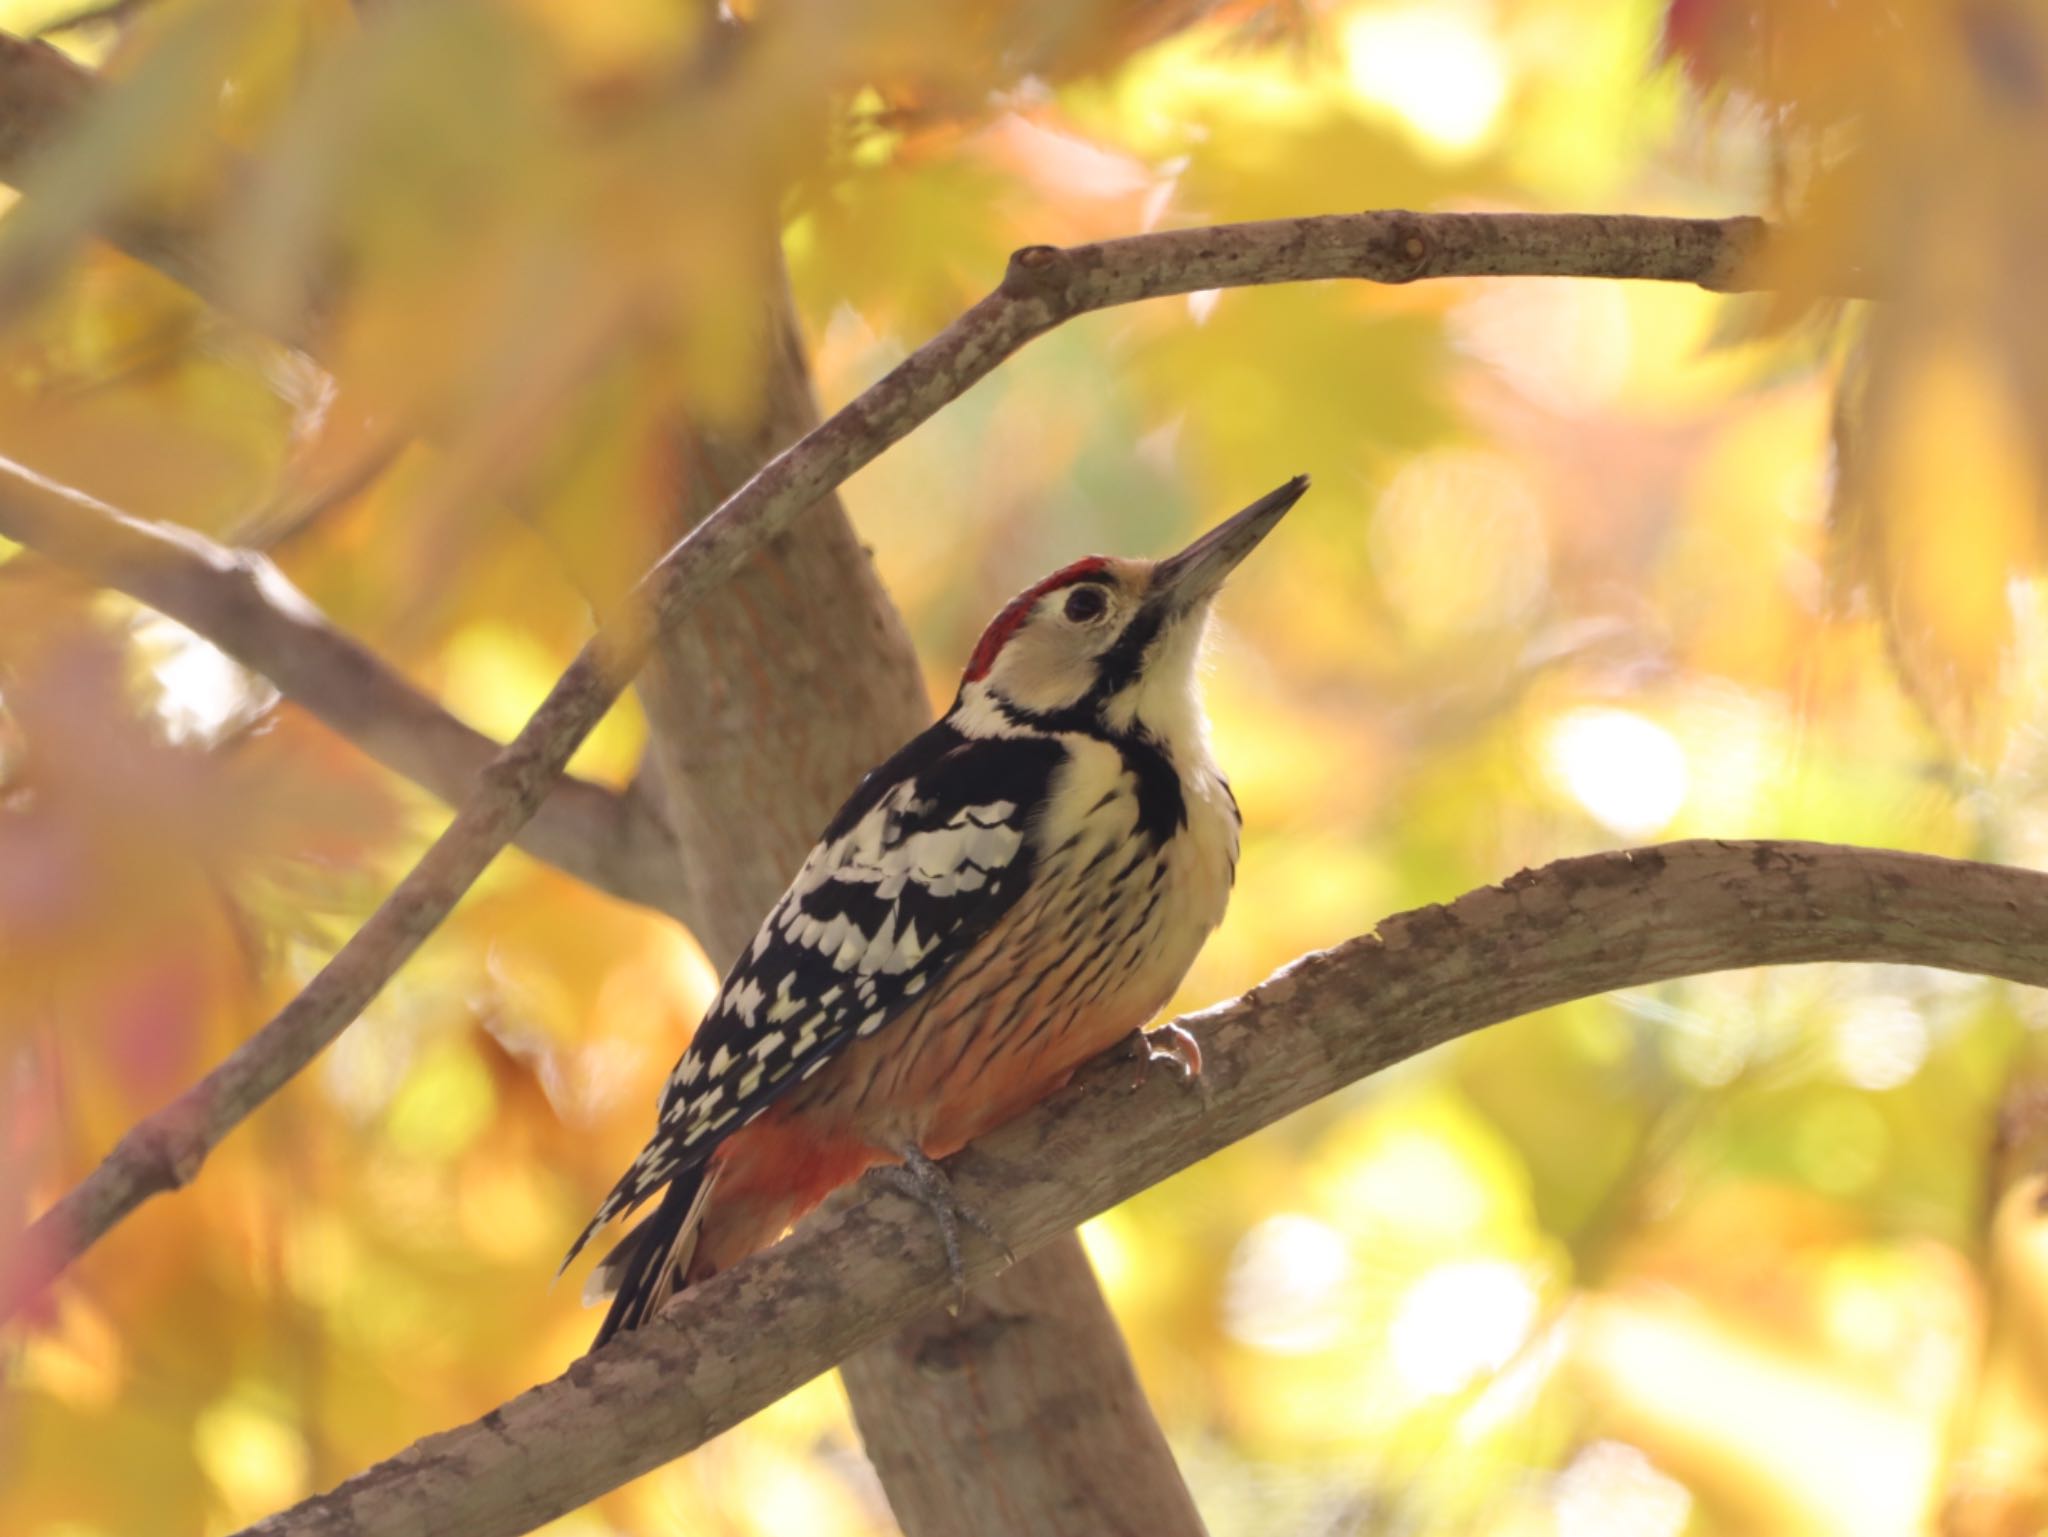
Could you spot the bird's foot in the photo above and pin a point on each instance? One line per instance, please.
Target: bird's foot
(924, 1182)
(1169, 1043)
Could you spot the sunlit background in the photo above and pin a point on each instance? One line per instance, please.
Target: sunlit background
(1586, 565)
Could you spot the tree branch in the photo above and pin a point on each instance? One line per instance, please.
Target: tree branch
(1571, 930)
(1043, 287)
(242, 603)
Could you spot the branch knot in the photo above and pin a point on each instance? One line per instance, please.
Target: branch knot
(169, 1148)
(1409, 248)
(1036, 272)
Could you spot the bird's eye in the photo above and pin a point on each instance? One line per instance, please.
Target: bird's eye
(1085, 604)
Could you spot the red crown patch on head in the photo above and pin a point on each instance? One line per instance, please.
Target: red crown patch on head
(1007, 621)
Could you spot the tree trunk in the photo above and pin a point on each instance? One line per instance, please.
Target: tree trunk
(1020, 1418)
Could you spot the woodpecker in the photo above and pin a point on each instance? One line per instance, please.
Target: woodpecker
(1018, 888)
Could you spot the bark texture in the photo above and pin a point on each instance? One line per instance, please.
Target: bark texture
(1022, 1417)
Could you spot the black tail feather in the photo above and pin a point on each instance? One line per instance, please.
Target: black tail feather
(644, 1267)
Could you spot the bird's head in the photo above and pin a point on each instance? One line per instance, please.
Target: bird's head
(1107, 644)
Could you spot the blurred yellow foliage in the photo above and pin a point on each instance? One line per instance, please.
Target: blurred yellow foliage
(1585, 564)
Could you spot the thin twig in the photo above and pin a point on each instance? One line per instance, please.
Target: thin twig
(861, 1269)
(1043, 287)
(243, 604)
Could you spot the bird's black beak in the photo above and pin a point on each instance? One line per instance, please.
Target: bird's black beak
(1185, 581)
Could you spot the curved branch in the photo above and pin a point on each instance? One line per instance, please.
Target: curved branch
(243, 604)
(1043, 287)
(1570, 930)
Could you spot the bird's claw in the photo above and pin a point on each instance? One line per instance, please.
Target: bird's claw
(923, 1181)
(1169, 1043)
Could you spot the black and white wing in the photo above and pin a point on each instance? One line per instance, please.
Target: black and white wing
(932, 848)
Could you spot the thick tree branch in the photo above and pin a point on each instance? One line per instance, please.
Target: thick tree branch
(1570, 930)
(1044, 286)
(243, 604)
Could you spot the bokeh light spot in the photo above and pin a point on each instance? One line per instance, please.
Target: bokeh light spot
(256, 1461)
(201, 690)
(1566, 347)
(1627, 771)
(1880, 1043)
(446, 1102)
(1436, 69)
(1460, 1320)
(1287, 1285)
(1613, 1490)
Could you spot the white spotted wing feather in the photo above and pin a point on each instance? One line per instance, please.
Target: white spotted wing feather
(932, 848)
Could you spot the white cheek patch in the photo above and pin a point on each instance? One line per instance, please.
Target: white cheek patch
(1050, 664)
